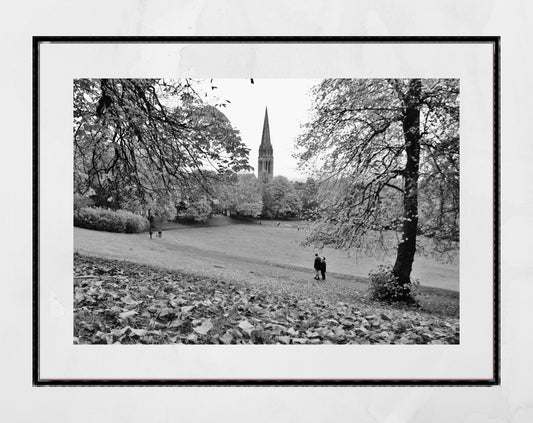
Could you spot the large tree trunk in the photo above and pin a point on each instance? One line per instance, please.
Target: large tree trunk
(411, 130)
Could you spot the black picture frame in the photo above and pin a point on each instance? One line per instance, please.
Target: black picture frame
(496, 377)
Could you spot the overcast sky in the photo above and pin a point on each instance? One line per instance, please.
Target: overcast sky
(288, 103)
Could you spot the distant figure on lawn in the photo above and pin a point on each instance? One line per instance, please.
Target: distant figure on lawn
(317, 265)
(151, 233)
(159, 233)
(323, 268)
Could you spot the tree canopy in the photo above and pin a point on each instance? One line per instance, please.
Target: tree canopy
(241, 195)
(280, 199)
(143, 138)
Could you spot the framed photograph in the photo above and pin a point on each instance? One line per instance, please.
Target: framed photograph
(266, 211)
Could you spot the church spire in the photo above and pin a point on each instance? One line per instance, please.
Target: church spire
(266, 153)
(265, 139)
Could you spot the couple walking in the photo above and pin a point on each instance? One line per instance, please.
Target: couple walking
(320, 267)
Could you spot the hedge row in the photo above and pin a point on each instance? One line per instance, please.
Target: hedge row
(111, 221)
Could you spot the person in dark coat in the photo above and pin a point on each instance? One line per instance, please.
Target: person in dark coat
(323, 268)
(317, 264)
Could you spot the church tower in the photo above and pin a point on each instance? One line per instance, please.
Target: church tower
(265, 163)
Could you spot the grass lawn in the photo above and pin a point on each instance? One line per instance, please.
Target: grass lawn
(231, 245)
(244, 283)
(266, 256)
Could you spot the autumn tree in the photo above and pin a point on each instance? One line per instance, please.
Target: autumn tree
(376, 143)
(309, 197)
(280, 199)
(144, 138)
(241, 195)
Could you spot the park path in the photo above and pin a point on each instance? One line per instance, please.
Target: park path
(168, 254)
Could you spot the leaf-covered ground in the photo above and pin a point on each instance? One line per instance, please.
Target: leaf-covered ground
(122, 302)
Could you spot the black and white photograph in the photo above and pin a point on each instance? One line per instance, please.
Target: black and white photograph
(266, 211)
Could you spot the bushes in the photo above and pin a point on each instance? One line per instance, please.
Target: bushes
(385, 287)
(111, 221)
(82, 201)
